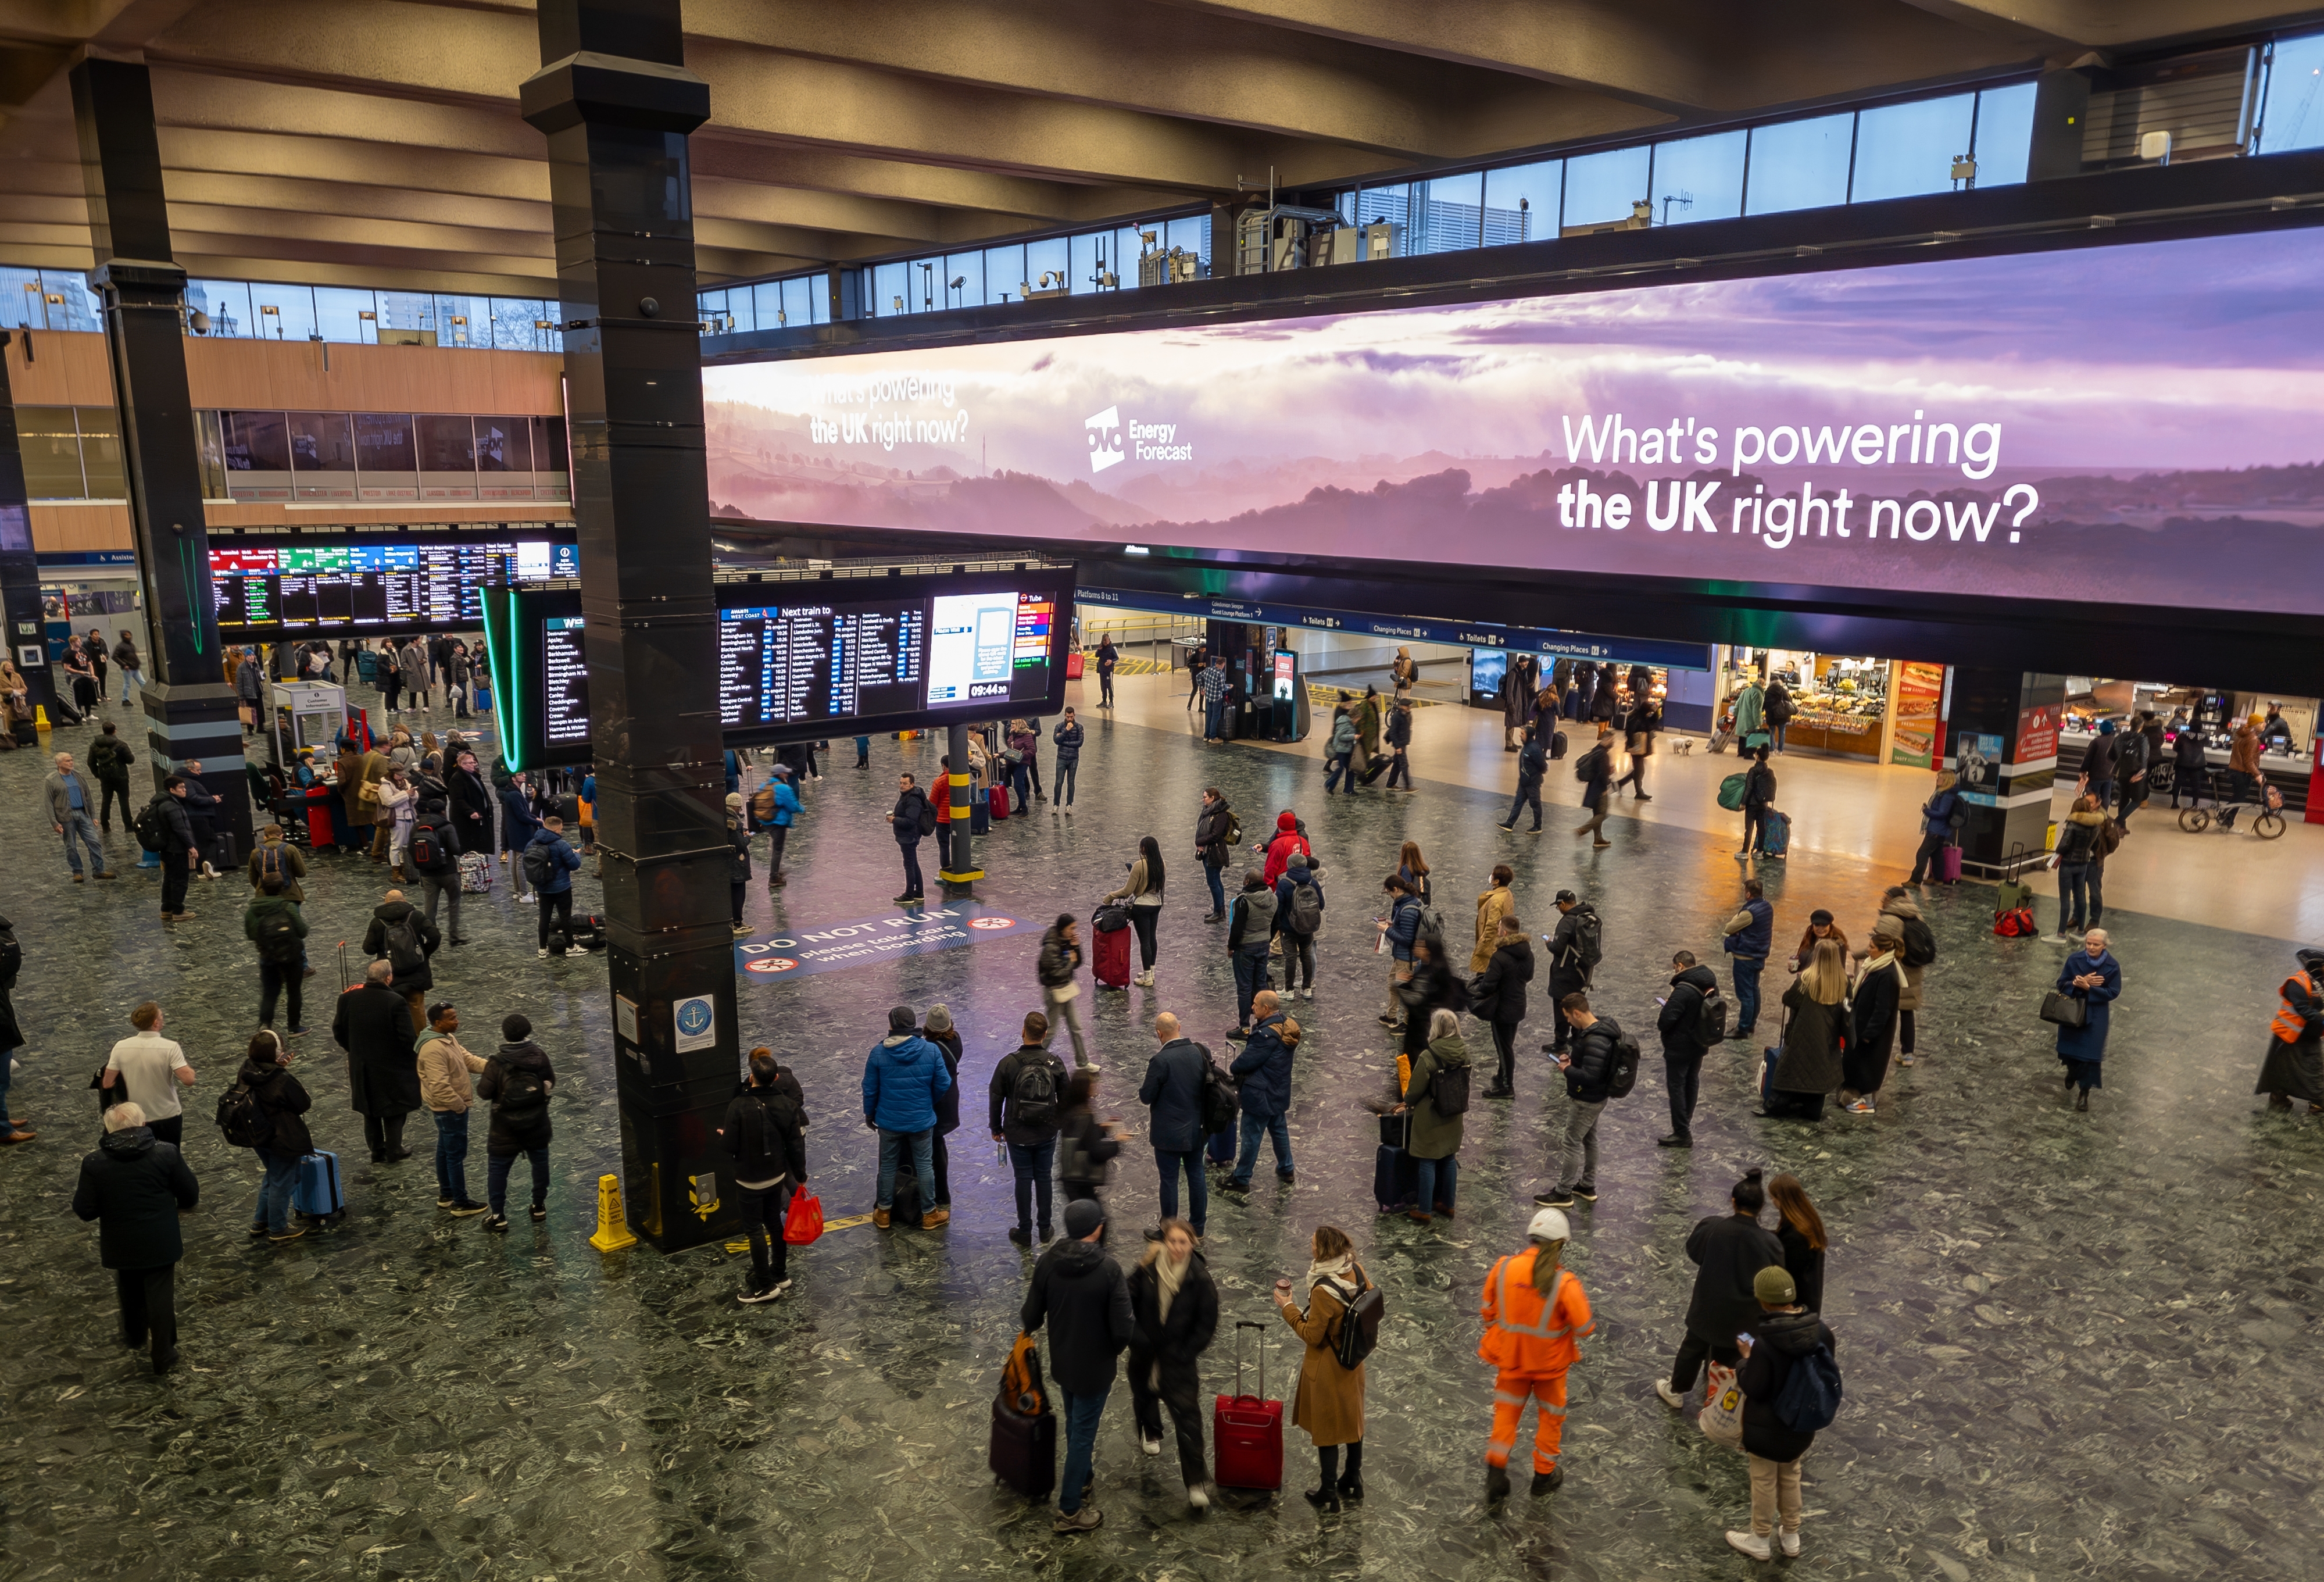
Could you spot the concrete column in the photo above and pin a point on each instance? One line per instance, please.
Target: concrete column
(616, 102)
(189, 710)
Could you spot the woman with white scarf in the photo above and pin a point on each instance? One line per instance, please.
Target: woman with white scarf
(1330, 1403)
(1176, 1306)
(1879, 993)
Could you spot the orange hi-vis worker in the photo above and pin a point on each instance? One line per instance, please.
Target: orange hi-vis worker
(1532, 1336)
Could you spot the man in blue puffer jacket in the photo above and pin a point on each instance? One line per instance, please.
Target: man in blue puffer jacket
(1750, 935)
(1264, 1071)
(902, 1076)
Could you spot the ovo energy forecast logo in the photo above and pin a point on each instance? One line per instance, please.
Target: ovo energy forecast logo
(1104, 439)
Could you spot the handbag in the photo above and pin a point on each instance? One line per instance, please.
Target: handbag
(367, 793)
(804, 1222)
(2065, 1010)
(1721, 1417)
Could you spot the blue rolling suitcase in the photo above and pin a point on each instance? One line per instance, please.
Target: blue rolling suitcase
(318, 1192)
(1776, 835)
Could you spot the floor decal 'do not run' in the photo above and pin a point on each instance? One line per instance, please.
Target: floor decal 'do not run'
(835, 947)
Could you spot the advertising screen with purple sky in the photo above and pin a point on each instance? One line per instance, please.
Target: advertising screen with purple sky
(2124, 425)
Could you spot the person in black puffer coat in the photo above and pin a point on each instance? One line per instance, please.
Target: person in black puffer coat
(517, 1082)
(1728, 1250)
(1176, 1304)
(1783, 1333)
(135, 1187)
(266, 1072)
(1499, 1000)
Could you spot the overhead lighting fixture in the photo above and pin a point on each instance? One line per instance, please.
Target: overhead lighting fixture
(1136, 550)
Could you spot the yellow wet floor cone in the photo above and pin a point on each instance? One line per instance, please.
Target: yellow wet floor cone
(39, 717)
(612, 1230)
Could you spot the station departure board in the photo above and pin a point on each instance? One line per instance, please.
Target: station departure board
(261, 592)
(565, 677)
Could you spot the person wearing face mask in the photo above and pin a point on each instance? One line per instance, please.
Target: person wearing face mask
(1176, 1304)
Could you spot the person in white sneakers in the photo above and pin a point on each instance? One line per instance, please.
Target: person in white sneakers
(1143, 892)
(1779, 1423)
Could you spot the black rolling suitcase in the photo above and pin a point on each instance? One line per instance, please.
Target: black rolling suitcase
(1023, 1449)
(1395, 1179)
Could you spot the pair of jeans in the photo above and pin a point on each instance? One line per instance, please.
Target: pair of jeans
(1776, 730)
(272, 1208)
(1254, 1127)
(1105, 688)
(2080, 902)
(1033, 1164)
(1198, 1188)
(433, 888)
(1518, 804)
(912, 850)
(763, 1209)
(940, 1161)
(1066, 1012)
(452, 1155)
(1931, 844)
(1083, 1413)
(1214, 718)
(1251, 976)
(1143, 919)
(1021, 782)
(277, 979)
(560, 902)
(496, 1178)
(891, 1147)
(1682, 1076)
(1154, 1384)
(78, 826)
(1578, 1162)
(1437, 1183)
(1338, 764)
(1745, 971)
(1218, 888)
(1061, 783)
(1692, 1350)
(128, 680)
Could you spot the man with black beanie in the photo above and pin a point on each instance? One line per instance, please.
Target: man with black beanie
(1080, 1293)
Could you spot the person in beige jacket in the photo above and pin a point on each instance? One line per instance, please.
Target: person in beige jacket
(445, 1086)
(1492, 906)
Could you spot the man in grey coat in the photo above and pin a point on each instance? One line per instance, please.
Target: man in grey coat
(412, 663)
(72, 813)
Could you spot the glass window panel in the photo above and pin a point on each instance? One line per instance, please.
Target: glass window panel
(50, 439)
(1699, 178)
(1193, 233)
(20, 299)
(767, 312)
(101, 460)
(710, 307)
(2005, 134)
(81, 311)
(924, 280)
(2292, 114)
(1902, 150)
(1799, 164)
(1521, 202)
(1345, 203)
(1603, 188)
(503, 445)
(407, 310)
(890, 292)
(323, 454)
(339, 313)
(463, 320)
(549, 445)
(1449, 212)
(1004, 268)
(517, 325)
(226, 301)
(818, 298)
(293, 315)
(968, 270)
(257, 441)
(210, 447)
(387, 459)
(1082, 254)
(1129, 243)
(1048, 258)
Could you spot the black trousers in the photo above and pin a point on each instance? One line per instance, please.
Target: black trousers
(111, 792)
(1931, 844)
(940, 1162)
(276, 980)
(561, 903)
(763, 1209)
(1143, 919)
(384, 1134)
(734, 889)
(1505, 1054)
(149, 1307)
(1683, 1075)
(778, 836)
(175, 876)
(169, 1129)
(1180, 1390)
(1399, 767)
(1692, 1350)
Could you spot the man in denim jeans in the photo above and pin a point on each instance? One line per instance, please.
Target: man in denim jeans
(1080, 1293)
(902, 1076)
(445, 1070)
(1028, 1092)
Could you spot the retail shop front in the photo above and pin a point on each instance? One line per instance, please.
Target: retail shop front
(2286, 726)
(1857, 707)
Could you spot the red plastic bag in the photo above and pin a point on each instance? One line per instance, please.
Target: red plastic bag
(804, 1222)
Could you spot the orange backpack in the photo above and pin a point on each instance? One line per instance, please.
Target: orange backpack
(1020, 1378)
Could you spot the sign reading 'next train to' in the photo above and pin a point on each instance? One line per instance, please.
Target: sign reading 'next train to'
(2134, 423)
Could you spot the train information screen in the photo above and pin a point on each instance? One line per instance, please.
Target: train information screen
(389, 586)
(565, 682)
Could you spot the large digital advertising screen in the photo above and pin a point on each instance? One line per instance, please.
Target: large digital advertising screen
(2129, 424)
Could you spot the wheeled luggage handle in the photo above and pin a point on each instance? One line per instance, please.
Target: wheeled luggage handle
(1242, 1325)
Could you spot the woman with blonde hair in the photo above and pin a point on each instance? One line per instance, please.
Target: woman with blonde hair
(1330, 1401)
(1937, 816)
(1176, 1306)
(1809, 1053)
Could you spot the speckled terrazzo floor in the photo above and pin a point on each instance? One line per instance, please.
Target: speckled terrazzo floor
(2075, 1345)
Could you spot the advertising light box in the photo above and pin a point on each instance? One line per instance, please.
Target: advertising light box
(2129, 424)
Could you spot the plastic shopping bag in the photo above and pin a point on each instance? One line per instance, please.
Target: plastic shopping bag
(804, 1222)
(1721, 1417)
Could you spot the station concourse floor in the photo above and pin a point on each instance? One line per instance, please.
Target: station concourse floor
(2075, 1345)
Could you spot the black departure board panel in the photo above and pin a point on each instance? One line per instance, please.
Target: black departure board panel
(262, 593)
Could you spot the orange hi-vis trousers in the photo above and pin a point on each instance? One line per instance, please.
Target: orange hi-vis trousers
(1511, 1394)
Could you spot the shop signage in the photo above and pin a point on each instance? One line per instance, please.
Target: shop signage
(1918, 688)
(863, 942)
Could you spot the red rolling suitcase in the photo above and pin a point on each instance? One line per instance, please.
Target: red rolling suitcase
(1111, 963)
(1000, 801)
(1074, 666)
(1247, 1430)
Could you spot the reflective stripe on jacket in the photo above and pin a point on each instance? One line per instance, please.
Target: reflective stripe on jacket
(1524, 1332)
(2291, 1024)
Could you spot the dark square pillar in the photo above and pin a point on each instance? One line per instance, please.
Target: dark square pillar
(616, 102)
(21, 618)
(2001, 738)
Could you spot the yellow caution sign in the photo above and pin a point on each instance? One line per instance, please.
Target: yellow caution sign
(41, 716)
(612, 1230)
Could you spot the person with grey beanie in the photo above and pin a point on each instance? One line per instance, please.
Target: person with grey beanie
(1079, 1292)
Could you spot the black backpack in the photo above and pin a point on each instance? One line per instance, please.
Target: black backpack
(1920, 943)
(150, 828)
(400, 943)
(1219, 1096)
(927, 817)
(1033, 1097)
(536, 866)
(243, 1119)
(1448, 1091)
(1589, 939)
(432, 844)
(1356, 1334)
(524, 1098)
(1306, 914)
(278, 942)
(1622, 1071)
(1711, 1020)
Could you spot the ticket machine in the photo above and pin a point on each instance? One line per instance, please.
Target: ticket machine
(306, 714)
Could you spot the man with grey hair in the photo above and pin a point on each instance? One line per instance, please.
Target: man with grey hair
(70, 815)
(135, 1187)
(373, 1026)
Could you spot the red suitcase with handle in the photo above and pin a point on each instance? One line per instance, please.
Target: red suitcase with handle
(999, 801)
(1247, 1430)
(1109, 948)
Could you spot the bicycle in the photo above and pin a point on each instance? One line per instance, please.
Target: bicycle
(2267, 822)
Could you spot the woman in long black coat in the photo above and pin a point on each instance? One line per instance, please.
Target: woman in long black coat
(1166, 1355)
(1879, 993)
(373, 1024)
(471, 805)
(941, 1033)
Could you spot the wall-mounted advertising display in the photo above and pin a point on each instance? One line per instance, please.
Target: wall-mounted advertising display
(2127, 425)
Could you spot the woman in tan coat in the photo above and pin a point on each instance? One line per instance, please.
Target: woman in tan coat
(1330, 1402)
(1492, 906)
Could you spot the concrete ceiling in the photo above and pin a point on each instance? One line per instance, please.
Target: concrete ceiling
(377, 142)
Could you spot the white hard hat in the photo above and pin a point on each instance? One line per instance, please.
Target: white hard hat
(1549, 1226)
